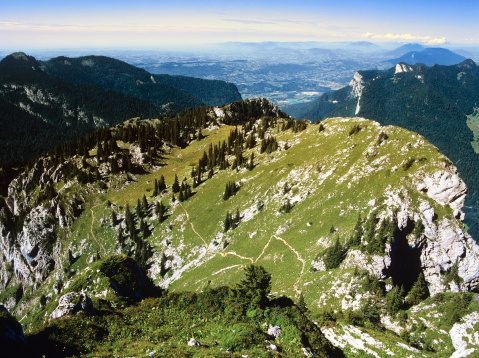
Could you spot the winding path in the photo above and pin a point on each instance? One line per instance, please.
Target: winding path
(233, 253)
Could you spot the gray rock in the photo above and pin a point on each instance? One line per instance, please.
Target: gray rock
(465, 338)
(445, 187)
(72, 303)
(274, 331)
(272, 347)
(307, 352)
(194, 343)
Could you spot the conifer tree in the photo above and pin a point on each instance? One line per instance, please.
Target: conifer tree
(227, 222)
(419, 291)
(253, 290)
(121, 239)
(394, 300)
(251, 162)
(176, 185)
(155, 190)
(301, 304)
(334, 256)
(139, 209)
(128, 218)
(144, 205)
(161, 184)
(355, 239)
(113, 217)
(160, 211)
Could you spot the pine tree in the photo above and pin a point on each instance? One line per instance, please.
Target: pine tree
(394, 300)
(253, 290)
(145, 205)
(160, 211)
(161, 184)
(139, 209)
(301, 304)
(355, 239)
(227, 222)
(419, 291)
(251, 162)
(176, 185)
(145, 230)
(129, 219)
(113, 217)
(155, 190)
(334, 255)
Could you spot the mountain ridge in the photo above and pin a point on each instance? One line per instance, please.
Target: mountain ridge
(342, 213)
(438, 102)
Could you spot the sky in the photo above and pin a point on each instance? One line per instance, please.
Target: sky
(49, 24)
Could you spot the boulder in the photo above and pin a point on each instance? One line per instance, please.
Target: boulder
(73, 303)
(194, 343)
(274, 331)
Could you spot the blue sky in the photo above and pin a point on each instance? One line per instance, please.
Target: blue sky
(145, 23)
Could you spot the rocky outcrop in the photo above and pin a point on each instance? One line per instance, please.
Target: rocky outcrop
(445, 187)
(357, 84)
(73, 303)
(274, 331)
(464, 335)
(403, 67)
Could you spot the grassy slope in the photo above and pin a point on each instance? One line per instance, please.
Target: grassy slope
(331, 180)
(333, 176)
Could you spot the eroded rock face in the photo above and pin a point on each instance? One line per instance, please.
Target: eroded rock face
(446, 188)
(72, 303)
(463, 336)
(444, 243)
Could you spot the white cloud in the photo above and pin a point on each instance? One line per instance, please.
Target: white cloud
(407, 37)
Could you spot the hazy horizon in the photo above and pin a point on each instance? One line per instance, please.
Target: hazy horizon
(53, 24)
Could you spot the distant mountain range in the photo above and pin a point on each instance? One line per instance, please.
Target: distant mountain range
(43, 104)
(439, 102)
(428, 56)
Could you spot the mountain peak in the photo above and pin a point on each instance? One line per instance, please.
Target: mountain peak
(467, 64)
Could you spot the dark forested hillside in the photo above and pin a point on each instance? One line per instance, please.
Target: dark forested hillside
(107, 72)
(433, 101)
(38, 111)
(211, 92)
(43, 104)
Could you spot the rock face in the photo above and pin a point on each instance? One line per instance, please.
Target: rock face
(443, 246)
(463, 335)
(403, 67)
(446, 188)
(72, 303)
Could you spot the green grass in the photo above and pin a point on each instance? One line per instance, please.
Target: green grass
(333, 177)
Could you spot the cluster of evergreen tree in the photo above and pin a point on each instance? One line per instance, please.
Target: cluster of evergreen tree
(295, 125)
(334, 255)
(142, 249)
(230, 189)
(268, 145)
(160, 211)
(231, 221)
